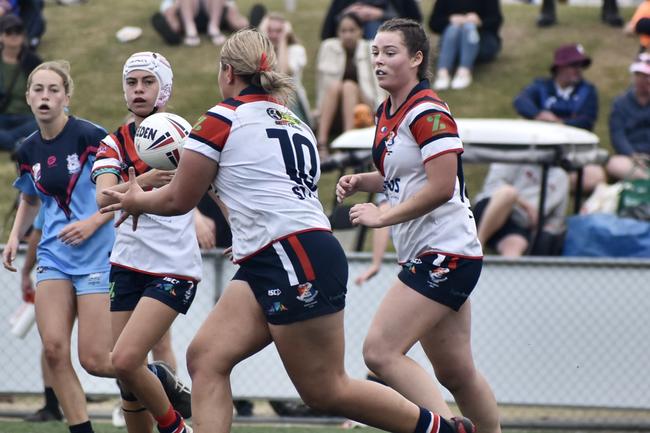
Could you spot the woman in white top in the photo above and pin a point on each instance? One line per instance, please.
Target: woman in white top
(344, 78)
(417, 154)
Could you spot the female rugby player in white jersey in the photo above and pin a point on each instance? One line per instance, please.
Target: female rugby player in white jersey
(151, 283)
(417, 154)
(291, 284)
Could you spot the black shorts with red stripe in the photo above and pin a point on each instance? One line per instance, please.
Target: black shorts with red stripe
(298, 278)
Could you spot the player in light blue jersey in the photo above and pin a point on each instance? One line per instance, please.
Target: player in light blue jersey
(72, 274)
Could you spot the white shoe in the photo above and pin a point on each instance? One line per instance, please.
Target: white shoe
(442, 82)
(461, 81)
(118, 417)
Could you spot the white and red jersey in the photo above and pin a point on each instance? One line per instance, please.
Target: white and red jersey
(162, 245)
(421, 129)
(268, 169)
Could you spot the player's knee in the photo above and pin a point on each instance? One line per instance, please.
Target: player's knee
(375, 354)
(56, 352)
(454, 377)
(125, 363)
(94, 364)
(198, 362)
(324, 399)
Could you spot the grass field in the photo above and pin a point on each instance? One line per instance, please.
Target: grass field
(85, 35)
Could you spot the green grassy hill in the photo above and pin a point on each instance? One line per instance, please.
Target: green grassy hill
(85, 35)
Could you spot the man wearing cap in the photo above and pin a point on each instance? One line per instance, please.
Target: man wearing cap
(16, 63)
(566, 97)
(629, 125)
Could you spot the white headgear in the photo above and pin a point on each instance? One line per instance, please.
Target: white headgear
(158, 65)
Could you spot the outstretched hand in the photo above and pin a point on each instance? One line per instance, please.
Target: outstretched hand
(127, 202)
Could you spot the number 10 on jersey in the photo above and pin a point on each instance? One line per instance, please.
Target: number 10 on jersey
(300, 161)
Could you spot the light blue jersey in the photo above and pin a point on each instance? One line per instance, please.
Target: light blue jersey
(58, 172)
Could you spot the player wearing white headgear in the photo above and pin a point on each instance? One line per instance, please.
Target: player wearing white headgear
(150, 282)
(157, 65)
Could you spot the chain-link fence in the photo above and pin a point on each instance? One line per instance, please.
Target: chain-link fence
(560, 341)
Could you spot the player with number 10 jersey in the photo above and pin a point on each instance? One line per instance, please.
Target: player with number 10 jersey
(268, 169)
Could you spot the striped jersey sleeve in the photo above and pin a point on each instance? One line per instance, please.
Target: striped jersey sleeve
(211, 131)
(108, 159)
(434, 130)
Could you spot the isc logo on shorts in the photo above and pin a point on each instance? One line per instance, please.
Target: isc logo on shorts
(274, 292)
(171, 280)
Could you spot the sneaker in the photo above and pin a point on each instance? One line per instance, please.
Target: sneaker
(178, 393)
(118, 417)
(461, 424)
(461, 80)
(442, 81)
(44, 415)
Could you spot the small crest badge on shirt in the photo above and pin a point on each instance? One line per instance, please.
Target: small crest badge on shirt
(73, 163)
(36, 171)
(390, 140)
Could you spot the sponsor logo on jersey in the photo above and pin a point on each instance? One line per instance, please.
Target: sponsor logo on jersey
(51, 161)
(73, 163)
(436, 124)
(306, 294)
(198, 126)
(274, 292)
(282, 118)
(36, 171)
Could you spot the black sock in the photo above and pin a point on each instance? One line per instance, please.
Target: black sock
(51, 402)
(84, 427)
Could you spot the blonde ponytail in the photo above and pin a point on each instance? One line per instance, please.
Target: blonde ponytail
(253, 58)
